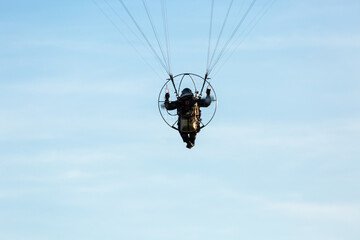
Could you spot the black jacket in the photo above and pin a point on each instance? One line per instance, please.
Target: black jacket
(185, 105)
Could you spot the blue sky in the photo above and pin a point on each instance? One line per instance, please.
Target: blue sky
(84, 153)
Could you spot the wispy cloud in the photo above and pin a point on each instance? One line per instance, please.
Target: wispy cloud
(287, 134)
(72, 86)
(295, 41)
(74, 174)
(343, 212)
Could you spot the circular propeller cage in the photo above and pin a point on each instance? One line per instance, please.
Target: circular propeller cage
(198, 86)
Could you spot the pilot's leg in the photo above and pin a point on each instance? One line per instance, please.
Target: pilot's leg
(192, 137)
(187, 139)
(184, 136)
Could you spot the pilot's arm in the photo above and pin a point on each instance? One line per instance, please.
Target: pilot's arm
(207, 101)
(170, 105)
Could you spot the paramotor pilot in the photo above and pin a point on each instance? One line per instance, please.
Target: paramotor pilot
(189, 113)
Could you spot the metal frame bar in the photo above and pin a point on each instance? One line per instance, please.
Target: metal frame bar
(172, 79)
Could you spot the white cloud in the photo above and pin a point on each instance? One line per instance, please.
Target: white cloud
(296, 135)
(74, 174)
(301, 41)
(79, 86)
(19, 192)
(295, 207)
(78, 156)
(315, 211)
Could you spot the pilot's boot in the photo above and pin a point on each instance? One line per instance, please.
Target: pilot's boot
(192, 138)
(189, 145)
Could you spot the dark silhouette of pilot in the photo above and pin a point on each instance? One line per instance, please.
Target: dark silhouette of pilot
(188, 109)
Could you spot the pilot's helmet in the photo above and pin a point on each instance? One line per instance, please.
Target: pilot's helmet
(186, 92)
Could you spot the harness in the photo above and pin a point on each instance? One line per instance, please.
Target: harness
(189, 116)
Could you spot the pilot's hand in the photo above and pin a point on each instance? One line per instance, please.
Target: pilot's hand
(208, 91)
(167, 96)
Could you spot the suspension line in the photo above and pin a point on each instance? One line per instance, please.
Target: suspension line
(221, 32)
(243, 35)
(143, 35)
(156, 34)
(232, 35)
(210, 34)
(125, 37)
(166, 31)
